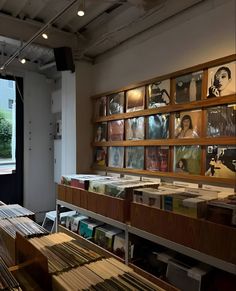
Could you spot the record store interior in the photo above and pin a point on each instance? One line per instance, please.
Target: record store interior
(118, 145)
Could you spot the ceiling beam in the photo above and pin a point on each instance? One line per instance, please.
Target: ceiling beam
(2, 2)
(20, 7)
(23, 30)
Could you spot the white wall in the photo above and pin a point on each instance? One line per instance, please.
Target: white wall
(204, 33)
(39, 192)
(84, 115)
(68, 123)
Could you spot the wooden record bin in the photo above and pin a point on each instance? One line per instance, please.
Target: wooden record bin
(108, 206)
(212, 239)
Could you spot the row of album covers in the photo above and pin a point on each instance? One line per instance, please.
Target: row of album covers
(221, 82)
(220, 159)
(220, 121)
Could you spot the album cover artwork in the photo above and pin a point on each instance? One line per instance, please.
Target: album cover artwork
(135, 128)
(100, 132)
(158, 126)
(100, 155)
(100, 107)
(116, 103)
(188, 124)
(158, 94)
(221, 120)
(135, 99)
(116, 130)
(116, 157)
(221, 80)
(187, 159)
(188, 87)
(135, 157)
(221, 161)
(157, 158)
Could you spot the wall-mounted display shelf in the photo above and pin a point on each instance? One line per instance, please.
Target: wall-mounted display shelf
(180, 125)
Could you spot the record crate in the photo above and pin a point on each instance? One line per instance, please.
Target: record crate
(199, 234)
(112, 207)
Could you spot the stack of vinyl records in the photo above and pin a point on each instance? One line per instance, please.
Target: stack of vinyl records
(105, 274)
(23, 225)
(63, 255)
(7, 281)
(13, 210)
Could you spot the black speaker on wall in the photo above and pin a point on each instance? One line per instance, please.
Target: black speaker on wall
(64, 59)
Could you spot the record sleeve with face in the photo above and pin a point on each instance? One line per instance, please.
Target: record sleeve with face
(187, 159)
(100, 132)
(188, 124)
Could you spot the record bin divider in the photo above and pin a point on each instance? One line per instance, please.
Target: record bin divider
(32, 261)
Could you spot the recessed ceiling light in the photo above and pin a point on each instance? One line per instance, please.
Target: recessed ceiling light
(45, 36)
(23, 61)
(80, 12)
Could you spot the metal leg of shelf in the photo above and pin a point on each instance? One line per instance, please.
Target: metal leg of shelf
(57, 216)
(127, 250)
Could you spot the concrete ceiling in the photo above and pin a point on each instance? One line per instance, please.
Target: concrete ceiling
(105, 25)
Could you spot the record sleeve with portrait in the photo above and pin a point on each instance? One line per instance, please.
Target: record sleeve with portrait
(188, 88)
(187, 159)
(158, 94)
(221, 120)
(116, 130)
(116, 157)
(100, 155)
(188, 124)
(221, 161)
(100, 133)
(157, 158)
(135, 99)
(100, 107)
(134, 157)
(221, 80)
(116, 103)
(158, 126)
(135, 128)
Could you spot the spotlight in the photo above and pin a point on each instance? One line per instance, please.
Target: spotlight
(45, 36)
(23, 60)
(81, 11)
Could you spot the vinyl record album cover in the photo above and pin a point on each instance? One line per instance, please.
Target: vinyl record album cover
(116, 157)
(135, 99)
(188, 124)
(158, 126)
(221, 80)
(100, 132)
(135, 128)
(116, 103)
(221, 161)
(100, 155)
(187, 159)
(158, 94)
(221, 120)
(100, 107)
(157, 158)
(135, 157)
(188, 87)
(116, 130)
